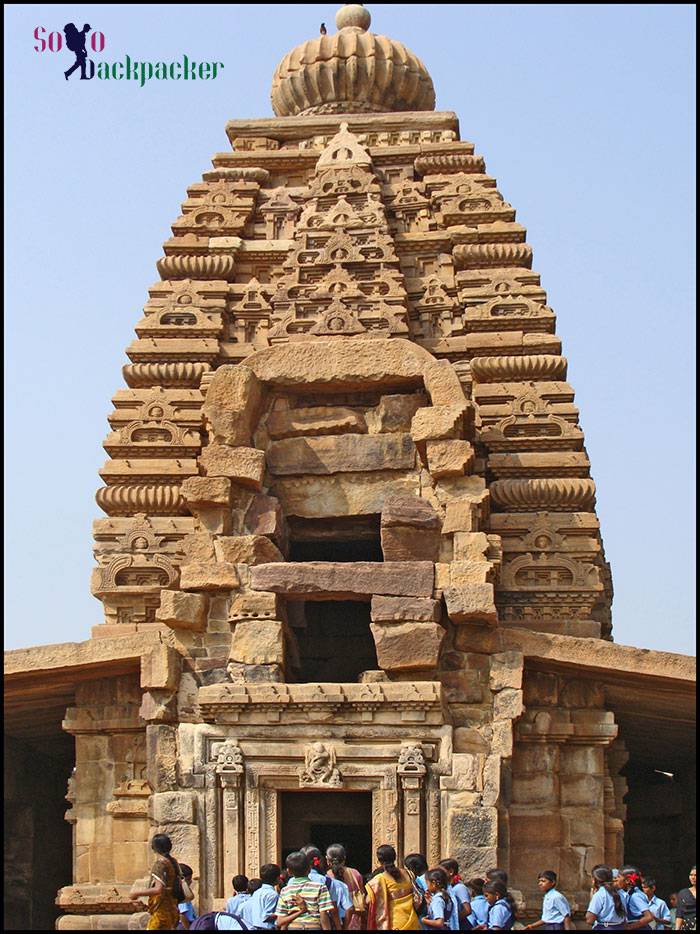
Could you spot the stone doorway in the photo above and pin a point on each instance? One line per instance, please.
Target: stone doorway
(325, 817)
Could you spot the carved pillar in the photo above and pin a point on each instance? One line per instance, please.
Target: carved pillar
(411, 771)
(229, 768)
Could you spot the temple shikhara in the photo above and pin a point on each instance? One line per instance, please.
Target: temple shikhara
(352, 577)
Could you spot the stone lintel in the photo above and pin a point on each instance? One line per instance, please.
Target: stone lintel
(358, 580)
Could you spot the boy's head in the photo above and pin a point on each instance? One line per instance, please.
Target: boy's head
(546, 880)
(240, 883)
(451, 867)
(270, 874)
(417, 863)
(649, 887)
(673, 899)
(298, 864)
(186, 872)
(497, 875)
(254, 885)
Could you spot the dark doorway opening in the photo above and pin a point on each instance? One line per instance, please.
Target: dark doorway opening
(349, 538)
(324, 817)
(334, 641)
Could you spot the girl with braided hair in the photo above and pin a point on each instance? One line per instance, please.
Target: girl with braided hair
(165, 891)
(336, 858)
(606, 909)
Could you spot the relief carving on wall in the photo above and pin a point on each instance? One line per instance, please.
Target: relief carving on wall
(319, 767)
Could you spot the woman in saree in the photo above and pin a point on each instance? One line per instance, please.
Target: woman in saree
(162, 896)
(392, 897)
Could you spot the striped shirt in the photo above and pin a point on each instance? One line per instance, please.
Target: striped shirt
(316, 896)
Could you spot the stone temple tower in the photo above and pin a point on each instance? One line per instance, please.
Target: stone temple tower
(353, 582)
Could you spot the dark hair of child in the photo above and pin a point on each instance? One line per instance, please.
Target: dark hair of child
(451, 865)
(386, 857)
(416, 863)
(240, 883)
(549, 875)
(254, 885)
(336, 856)
(439, 877)
(603, 878)
(649, 882)
(476, 885)
(315, 857)
(497, 875)
(270, 874)
(298, 864)
(186, 871)
(499, 888)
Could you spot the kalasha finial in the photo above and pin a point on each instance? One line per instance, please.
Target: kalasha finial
(353, 16)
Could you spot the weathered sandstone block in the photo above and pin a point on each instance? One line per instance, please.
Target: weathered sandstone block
(240, 673)
(207, 491)
(258, 642)
(410, 529)
(232, 405)
(437, 422)
(220, 576)
(471, 604)
(242, 465)
(507, 704)
(328, 580)
(183, 610)
(314, 420)
(341, 454)
(462, 515)
(449, 458)
(467, 573)
(173, 807)
(265, 517)
(405, 609)
(443, 385)
(402, 646)
(247, 549)
(160, 668)
(470, 546)
(354, 494)
(342, 364)
(199, 546)
(256, 605)
(506, 671)
(395, 413)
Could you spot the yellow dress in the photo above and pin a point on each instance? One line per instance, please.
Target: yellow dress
(390, 903)
(162, 908)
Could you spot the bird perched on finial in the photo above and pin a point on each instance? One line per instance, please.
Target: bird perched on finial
(323, 30)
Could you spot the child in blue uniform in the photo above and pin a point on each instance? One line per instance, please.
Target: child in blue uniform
(639, 916)
(417, 865)
(478, 902)
(556, 912)
(443, 911)
(606, 909)
(657, 906)
(241, 895)
(501, 907)
(458, 889)
(186, 909)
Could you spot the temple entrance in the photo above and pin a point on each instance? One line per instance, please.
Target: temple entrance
(325, 817)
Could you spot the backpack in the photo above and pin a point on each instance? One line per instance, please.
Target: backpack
(207, 921)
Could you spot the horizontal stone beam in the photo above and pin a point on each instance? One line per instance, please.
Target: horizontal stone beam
(358, 580)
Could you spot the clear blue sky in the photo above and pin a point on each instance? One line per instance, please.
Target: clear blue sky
(584, 114)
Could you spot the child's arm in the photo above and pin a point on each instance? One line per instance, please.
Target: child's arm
(283, 921)
(434, 922)
(535, 924)
(184, 921)
(326, 917)
(568, 924)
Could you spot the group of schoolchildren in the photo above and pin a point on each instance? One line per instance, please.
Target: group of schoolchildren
(318, 891)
